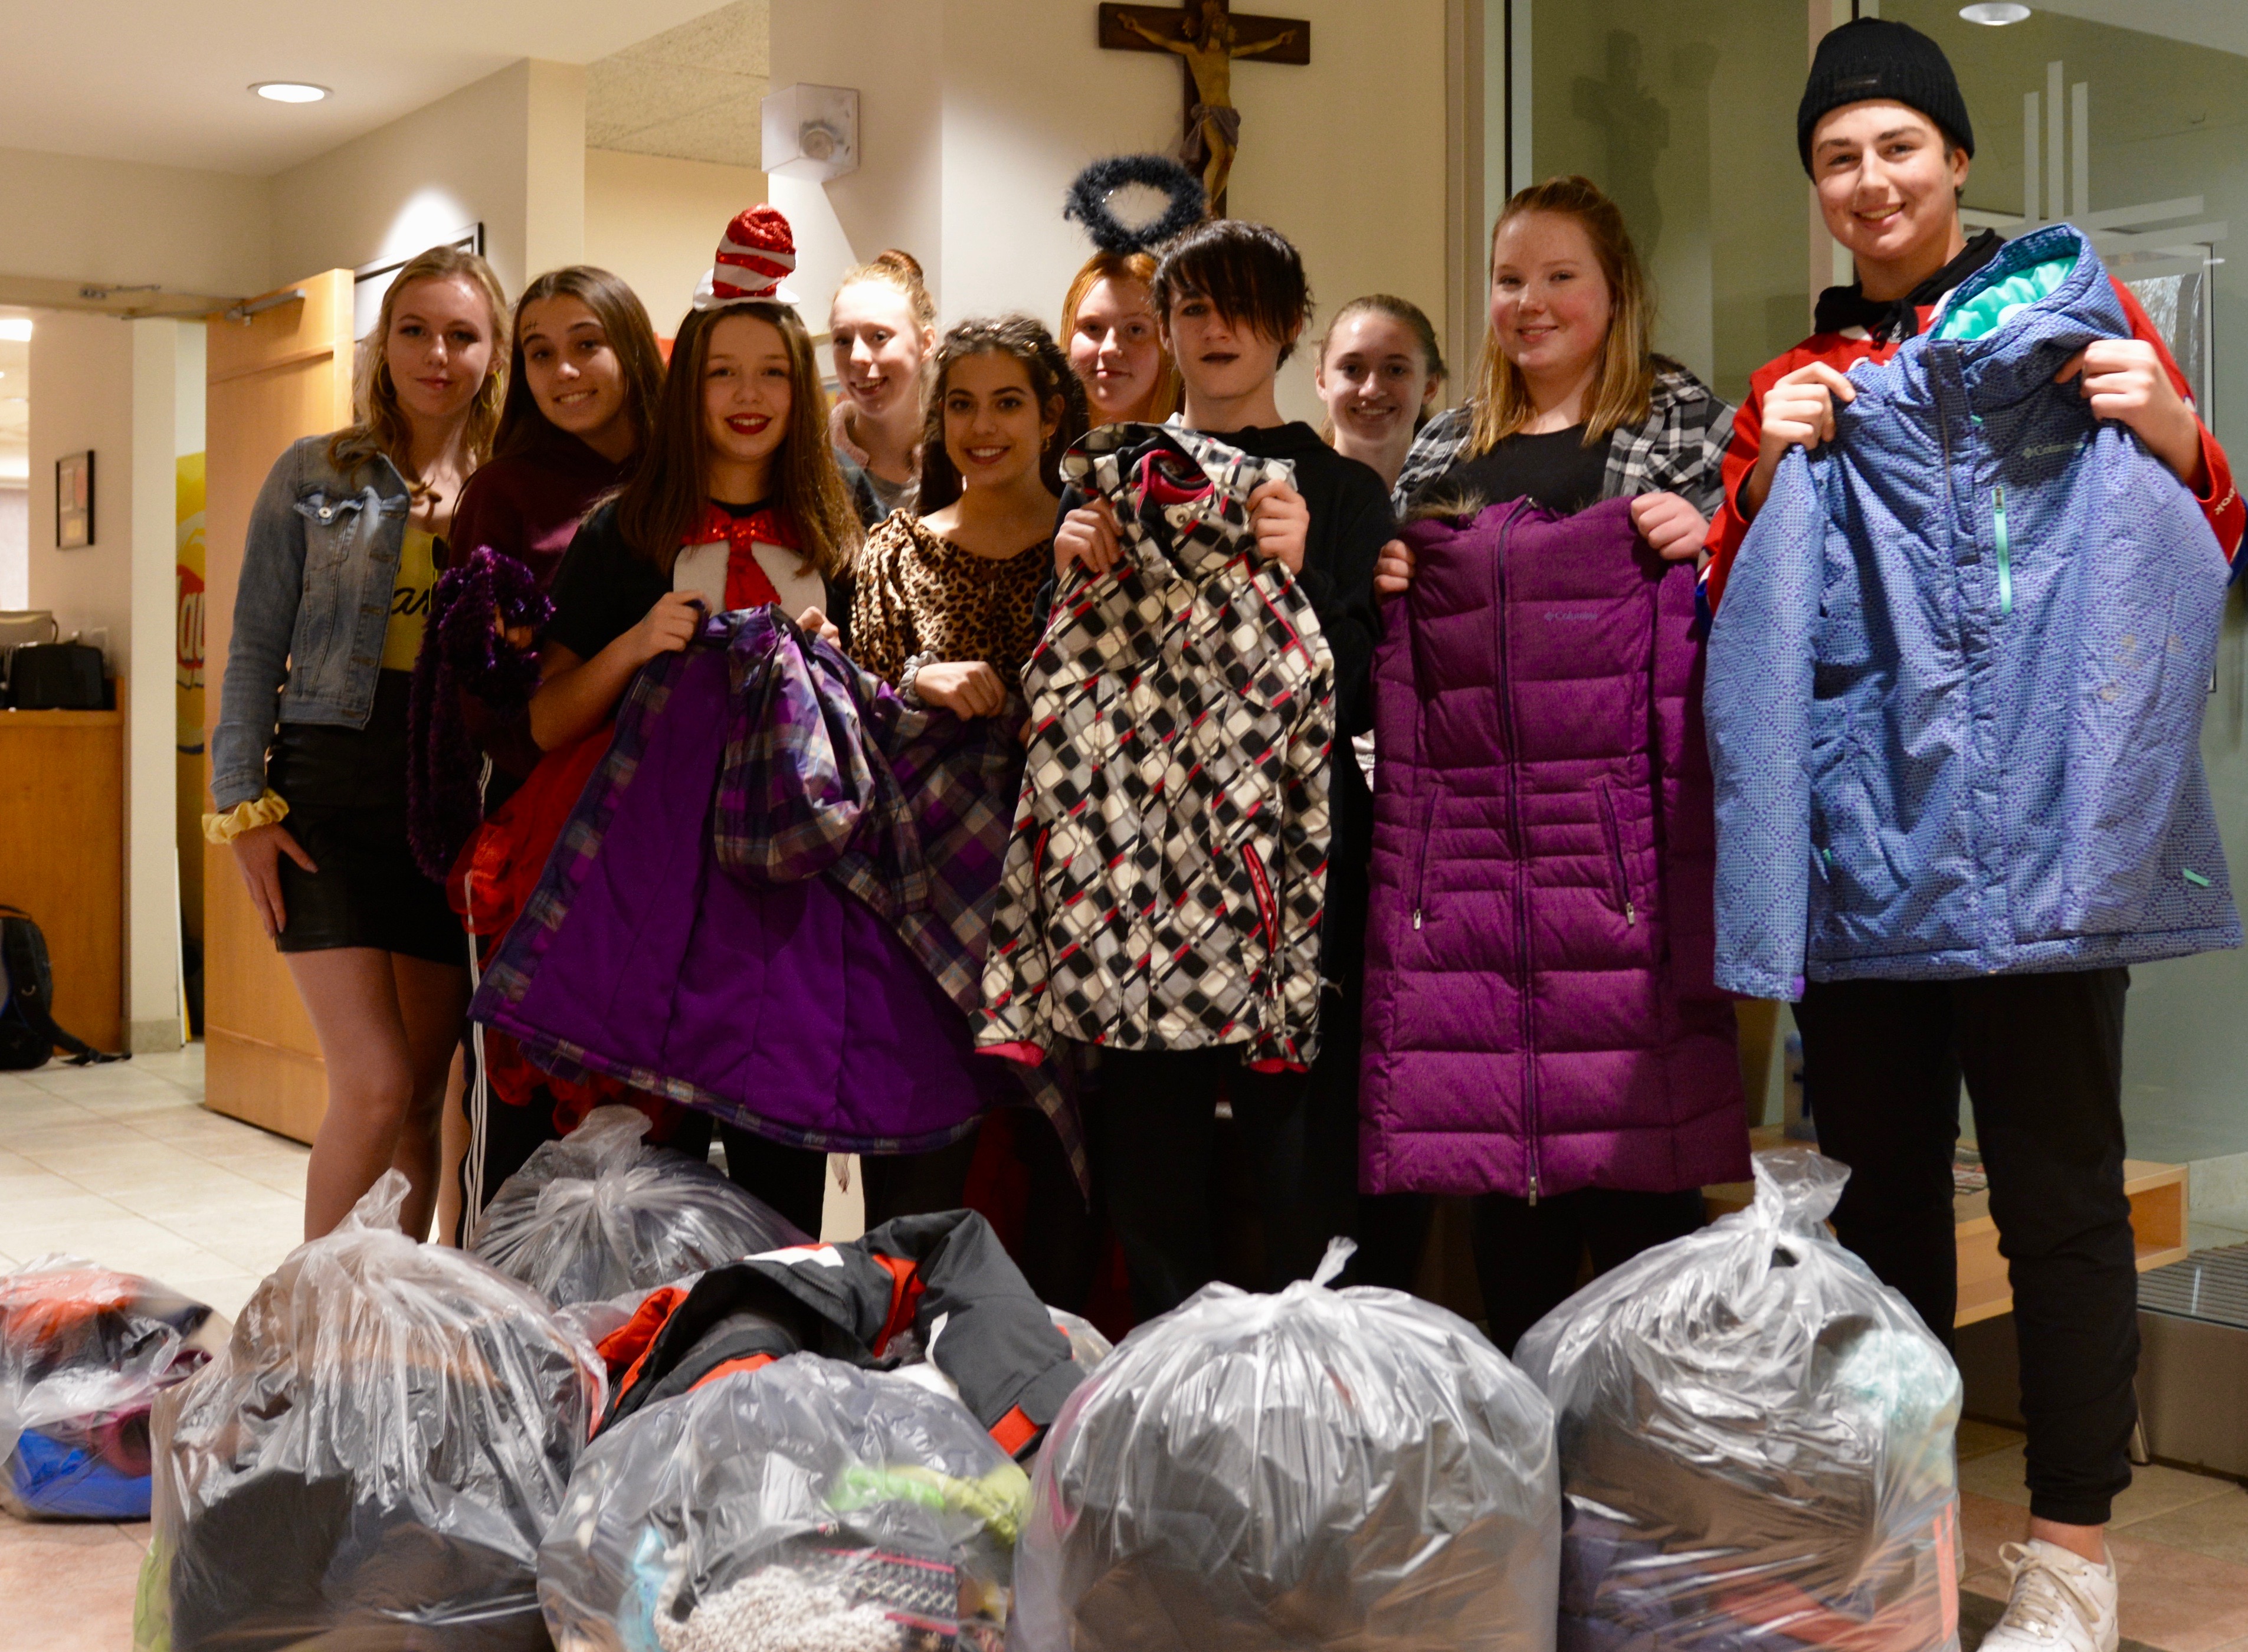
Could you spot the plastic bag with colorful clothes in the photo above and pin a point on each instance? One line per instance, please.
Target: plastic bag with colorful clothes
(84, 1352)
(1756, 1442)
(801, 1504)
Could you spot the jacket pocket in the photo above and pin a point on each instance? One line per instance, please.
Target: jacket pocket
(331, 527)
(1421, 866)
(1268, 909)
(1619, 878)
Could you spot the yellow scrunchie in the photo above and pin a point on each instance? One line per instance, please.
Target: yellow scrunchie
(259, 810)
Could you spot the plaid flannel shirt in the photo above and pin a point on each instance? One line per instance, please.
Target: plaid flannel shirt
(1677, 451)
(1167, 869)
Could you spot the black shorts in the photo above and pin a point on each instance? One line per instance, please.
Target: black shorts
(367, 892)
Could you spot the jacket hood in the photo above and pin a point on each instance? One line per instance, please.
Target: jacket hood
(2014, 322)
(1176, 479)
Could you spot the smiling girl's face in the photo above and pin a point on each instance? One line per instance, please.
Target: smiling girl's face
(440, 346)
(1549, 302)
(1374, 379)
(994, 430)
(879, 347)
(572, 370)
(746, 391)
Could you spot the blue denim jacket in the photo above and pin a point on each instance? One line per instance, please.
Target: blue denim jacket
(1956, 687)
(318, 566)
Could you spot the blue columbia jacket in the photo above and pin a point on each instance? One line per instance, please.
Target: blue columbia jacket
(1954, 689)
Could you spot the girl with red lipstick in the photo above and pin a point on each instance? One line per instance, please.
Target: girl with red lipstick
(736, 503)
(310, 755)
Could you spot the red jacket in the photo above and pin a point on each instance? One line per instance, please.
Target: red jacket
(2221, 504)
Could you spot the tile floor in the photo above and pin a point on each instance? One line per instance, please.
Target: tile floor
(122, 1163)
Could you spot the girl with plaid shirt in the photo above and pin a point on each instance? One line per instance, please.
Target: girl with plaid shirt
(1571, 407)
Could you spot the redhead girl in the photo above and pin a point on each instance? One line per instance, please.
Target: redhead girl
(881, 328)
(1115, 343)
(310, 757)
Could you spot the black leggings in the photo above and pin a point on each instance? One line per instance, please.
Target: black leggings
(1529, 1257)
(2043, 1059)
(1156, 1133)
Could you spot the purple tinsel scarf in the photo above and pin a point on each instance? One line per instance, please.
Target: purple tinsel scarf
(463, 654)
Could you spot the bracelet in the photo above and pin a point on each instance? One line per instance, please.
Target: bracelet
(264, 810)
(906, 692)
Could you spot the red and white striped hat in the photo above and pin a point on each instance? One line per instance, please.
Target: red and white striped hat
(758, 250)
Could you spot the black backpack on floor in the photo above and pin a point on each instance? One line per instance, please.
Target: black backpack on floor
(28, 1033)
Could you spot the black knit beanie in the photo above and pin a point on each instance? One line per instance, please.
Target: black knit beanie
(1874, 58)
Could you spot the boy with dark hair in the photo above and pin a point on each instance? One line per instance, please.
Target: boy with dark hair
(1232, 302)
(1884, 134)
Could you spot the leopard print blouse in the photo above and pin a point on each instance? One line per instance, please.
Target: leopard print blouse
(918, 593)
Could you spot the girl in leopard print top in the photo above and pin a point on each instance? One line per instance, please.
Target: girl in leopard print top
(947, 603)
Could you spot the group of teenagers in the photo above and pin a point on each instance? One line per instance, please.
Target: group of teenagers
(921, 524)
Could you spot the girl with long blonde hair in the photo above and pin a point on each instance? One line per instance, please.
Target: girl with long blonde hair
(308, 759)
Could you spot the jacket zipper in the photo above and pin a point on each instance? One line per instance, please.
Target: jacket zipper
(1421, 872)
(2005, 552)
(1615, 857)
(1268, 916)
(1522, 994)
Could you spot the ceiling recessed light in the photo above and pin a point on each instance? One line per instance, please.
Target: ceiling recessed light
(289, 91)
(16, 329)
(1994, 13)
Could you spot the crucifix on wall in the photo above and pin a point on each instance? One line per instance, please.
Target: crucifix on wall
(1207, 37)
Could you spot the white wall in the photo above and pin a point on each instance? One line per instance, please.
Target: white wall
(655, 221)
(15, 545)
(66, 217)
(506, 151)
(115, 387)
(977, 113)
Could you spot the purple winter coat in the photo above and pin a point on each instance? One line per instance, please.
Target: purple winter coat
(791, 1009)
(1540, 1015)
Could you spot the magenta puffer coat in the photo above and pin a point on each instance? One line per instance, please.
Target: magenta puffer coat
(1539, 1011)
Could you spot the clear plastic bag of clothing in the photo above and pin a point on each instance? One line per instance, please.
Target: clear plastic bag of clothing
(84, 1351)
(372, 1458)
(1318, 1469)
(600, 1213)
(1755, 1439)
(805, 1505)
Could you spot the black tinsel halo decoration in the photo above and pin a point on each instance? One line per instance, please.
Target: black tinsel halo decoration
(1087, 201)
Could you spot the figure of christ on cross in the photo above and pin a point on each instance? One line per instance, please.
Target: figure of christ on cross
(1206, 38)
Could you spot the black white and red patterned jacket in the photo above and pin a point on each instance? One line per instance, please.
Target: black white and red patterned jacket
(1165, 880)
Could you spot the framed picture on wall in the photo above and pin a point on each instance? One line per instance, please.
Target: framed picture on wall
(74, 501)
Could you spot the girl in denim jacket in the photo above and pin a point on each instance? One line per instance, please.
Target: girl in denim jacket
(309, 760)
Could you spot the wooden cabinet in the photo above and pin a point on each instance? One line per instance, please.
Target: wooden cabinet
(62, 856)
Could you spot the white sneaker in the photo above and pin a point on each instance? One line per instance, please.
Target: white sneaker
(2060, 1602)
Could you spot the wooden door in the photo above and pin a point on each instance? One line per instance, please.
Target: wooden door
(285, 372)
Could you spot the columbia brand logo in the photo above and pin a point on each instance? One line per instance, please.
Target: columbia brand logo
(2050, 448)
(1859, 83)
(1552, 618)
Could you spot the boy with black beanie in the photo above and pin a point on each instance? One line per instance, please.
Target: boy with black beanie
(1884, 135)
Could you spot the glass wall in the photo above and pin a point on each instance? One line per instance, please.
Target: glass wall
(1685, 111)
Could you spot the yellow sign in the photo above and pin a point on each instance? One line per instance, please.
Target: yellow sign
(189, 582)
